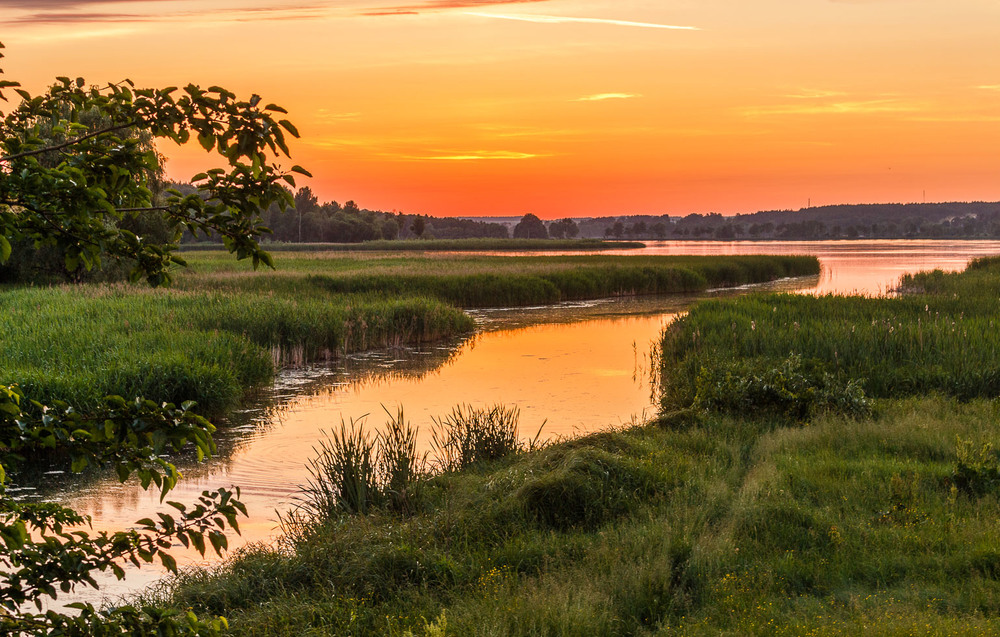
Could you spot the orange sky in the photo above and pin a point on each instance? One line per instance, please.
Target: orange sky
(572, 107)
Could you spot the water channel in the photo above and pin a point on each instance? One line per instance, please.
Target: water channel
(576, 367)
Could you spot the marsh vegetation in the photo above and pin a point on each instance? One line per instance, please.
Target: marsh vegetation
(225, 328)
(803, 483)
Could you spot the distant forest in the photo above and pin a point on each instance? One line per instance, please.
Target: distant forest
(958, 220)
(311, 221)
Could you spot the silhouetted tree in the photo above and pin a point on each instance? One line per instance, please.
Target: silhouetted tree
(530, 227)
(418, 227)
(564, 229)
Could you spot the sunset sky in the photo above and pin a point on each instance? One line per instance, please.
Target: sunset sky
(572, 107)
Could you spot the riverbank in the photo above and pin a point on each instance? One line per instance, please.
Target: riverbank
(780, 510)
(224, 328)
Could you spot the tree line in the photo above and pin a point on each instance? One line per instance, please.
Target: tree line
(954, 220)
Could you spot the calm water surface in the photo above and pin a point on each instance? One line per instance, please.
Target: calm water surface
(577, 368)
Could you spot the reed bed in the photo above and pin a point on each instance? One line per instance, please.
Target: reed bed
(940, 335)
(224, 328)
(487, 280)
(80, 344)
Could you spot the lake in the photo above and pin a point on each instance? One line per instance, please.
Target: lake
(570, 369)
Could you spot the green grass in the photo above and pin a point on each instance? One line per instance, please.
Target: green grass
(484, 281)
(941, 335)
(79, 344)
(224, 328)
(730, 526)
(779, 499)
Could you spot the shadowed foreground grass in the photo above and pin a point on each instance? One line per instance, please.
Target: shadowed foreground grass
(705, 526)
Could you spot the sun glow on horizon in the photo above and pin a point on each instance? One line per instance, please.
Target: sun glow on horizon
(585, 108)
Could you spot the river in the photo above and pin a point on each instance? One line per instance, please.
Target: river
(570, 369)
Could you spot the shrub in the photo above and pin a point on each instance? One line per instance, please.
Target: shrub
(786, 390)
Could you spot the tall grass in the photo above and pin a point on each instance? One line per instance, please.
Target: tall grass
(941, 335)
(469, 435)
(353, 473)
(725, 527)
(224, 329)
(491, 281)
(81, 343)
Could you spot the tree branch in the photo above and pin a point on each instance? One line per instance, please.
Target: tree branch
(48, 149)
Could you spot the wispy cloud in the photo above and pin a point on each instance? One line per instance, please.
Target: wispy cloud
(552, 19)
(478, 155)
(55, 12)
(62, 5)
(989, 87)
(440, 5)
(836, 108)
(600, 97)
(955, 119)
(814, 94)
(325, 115)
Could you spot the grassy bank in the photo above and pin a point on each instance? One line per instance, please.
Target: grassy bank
(80, 344)
(485, 281)
(940, 335)
(807, 477)
(442, 245)
(715, 526)
(224, 328)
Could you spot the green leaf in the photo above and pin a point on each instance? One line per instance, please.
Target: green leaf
(301, 171)
(207, 140)
(5, 249)
(169, 562)
(288, 126)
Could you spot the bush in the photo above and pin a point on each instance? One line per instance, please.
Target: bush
(787, 390)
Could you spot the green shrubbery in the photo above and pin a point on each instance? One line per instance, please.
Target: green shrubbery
(756, 387)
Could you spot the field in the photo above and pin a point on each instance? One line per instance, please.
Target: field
(815, 481)
(223, 328)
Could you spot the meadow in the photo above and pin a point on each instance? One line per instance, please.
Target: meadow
(223, 328)
(805, 477)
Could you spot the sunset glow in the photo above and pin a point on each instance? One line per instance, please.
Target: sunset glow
(572, 107)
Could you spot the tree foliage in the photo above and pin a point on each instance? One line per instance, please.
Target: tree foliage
(74, 169)
(65, 184)
(530, 227)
